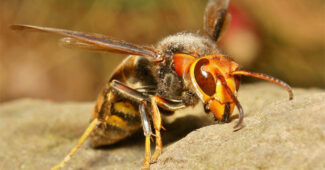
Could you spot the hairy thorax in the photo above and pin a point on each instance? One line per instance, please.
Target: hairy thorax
(171, 85)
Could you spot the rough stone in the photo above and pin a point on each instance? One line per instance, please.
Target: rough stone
(278, 134)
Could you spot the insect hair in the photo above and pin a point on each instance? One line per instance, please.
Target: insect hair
(189, 43)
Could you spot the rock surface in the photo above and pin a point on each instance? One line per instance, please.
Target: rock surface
(278, 134)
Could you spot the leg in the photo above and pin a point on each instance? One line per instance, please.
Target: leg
(134, 95)
(92, 125)
(137, 96)
(147, 133)
(101, 110)
(128, 92)
(157, 124)
(168, 105)
(155, 101)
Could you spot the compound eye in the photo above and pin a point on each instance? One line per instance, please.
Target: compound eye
(204, 79)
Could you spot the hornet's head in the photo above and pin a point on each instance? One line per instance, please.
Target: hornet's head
(214, 85)
(215, 80)
(212, 82)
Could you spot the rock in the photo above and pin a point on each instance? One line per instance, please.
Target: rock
(278, 134)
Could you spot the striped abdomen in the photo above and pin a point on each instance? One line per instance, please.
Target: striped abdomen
(120, 115)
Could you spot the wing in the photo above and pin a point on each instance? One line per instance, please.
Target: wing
(216, 18)
(93, 41)
(76, 44)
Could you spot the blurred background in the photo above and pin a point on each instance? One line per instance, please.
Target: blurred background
(285, 39)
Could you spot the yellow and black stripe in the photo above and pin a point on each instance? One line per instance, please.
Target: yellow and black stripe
(119, 115)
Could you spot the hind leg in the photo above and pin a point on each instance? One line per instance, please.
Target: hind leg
(82, 139)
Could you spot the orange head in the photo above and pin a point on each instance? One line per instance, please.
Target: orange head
(215, 79)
